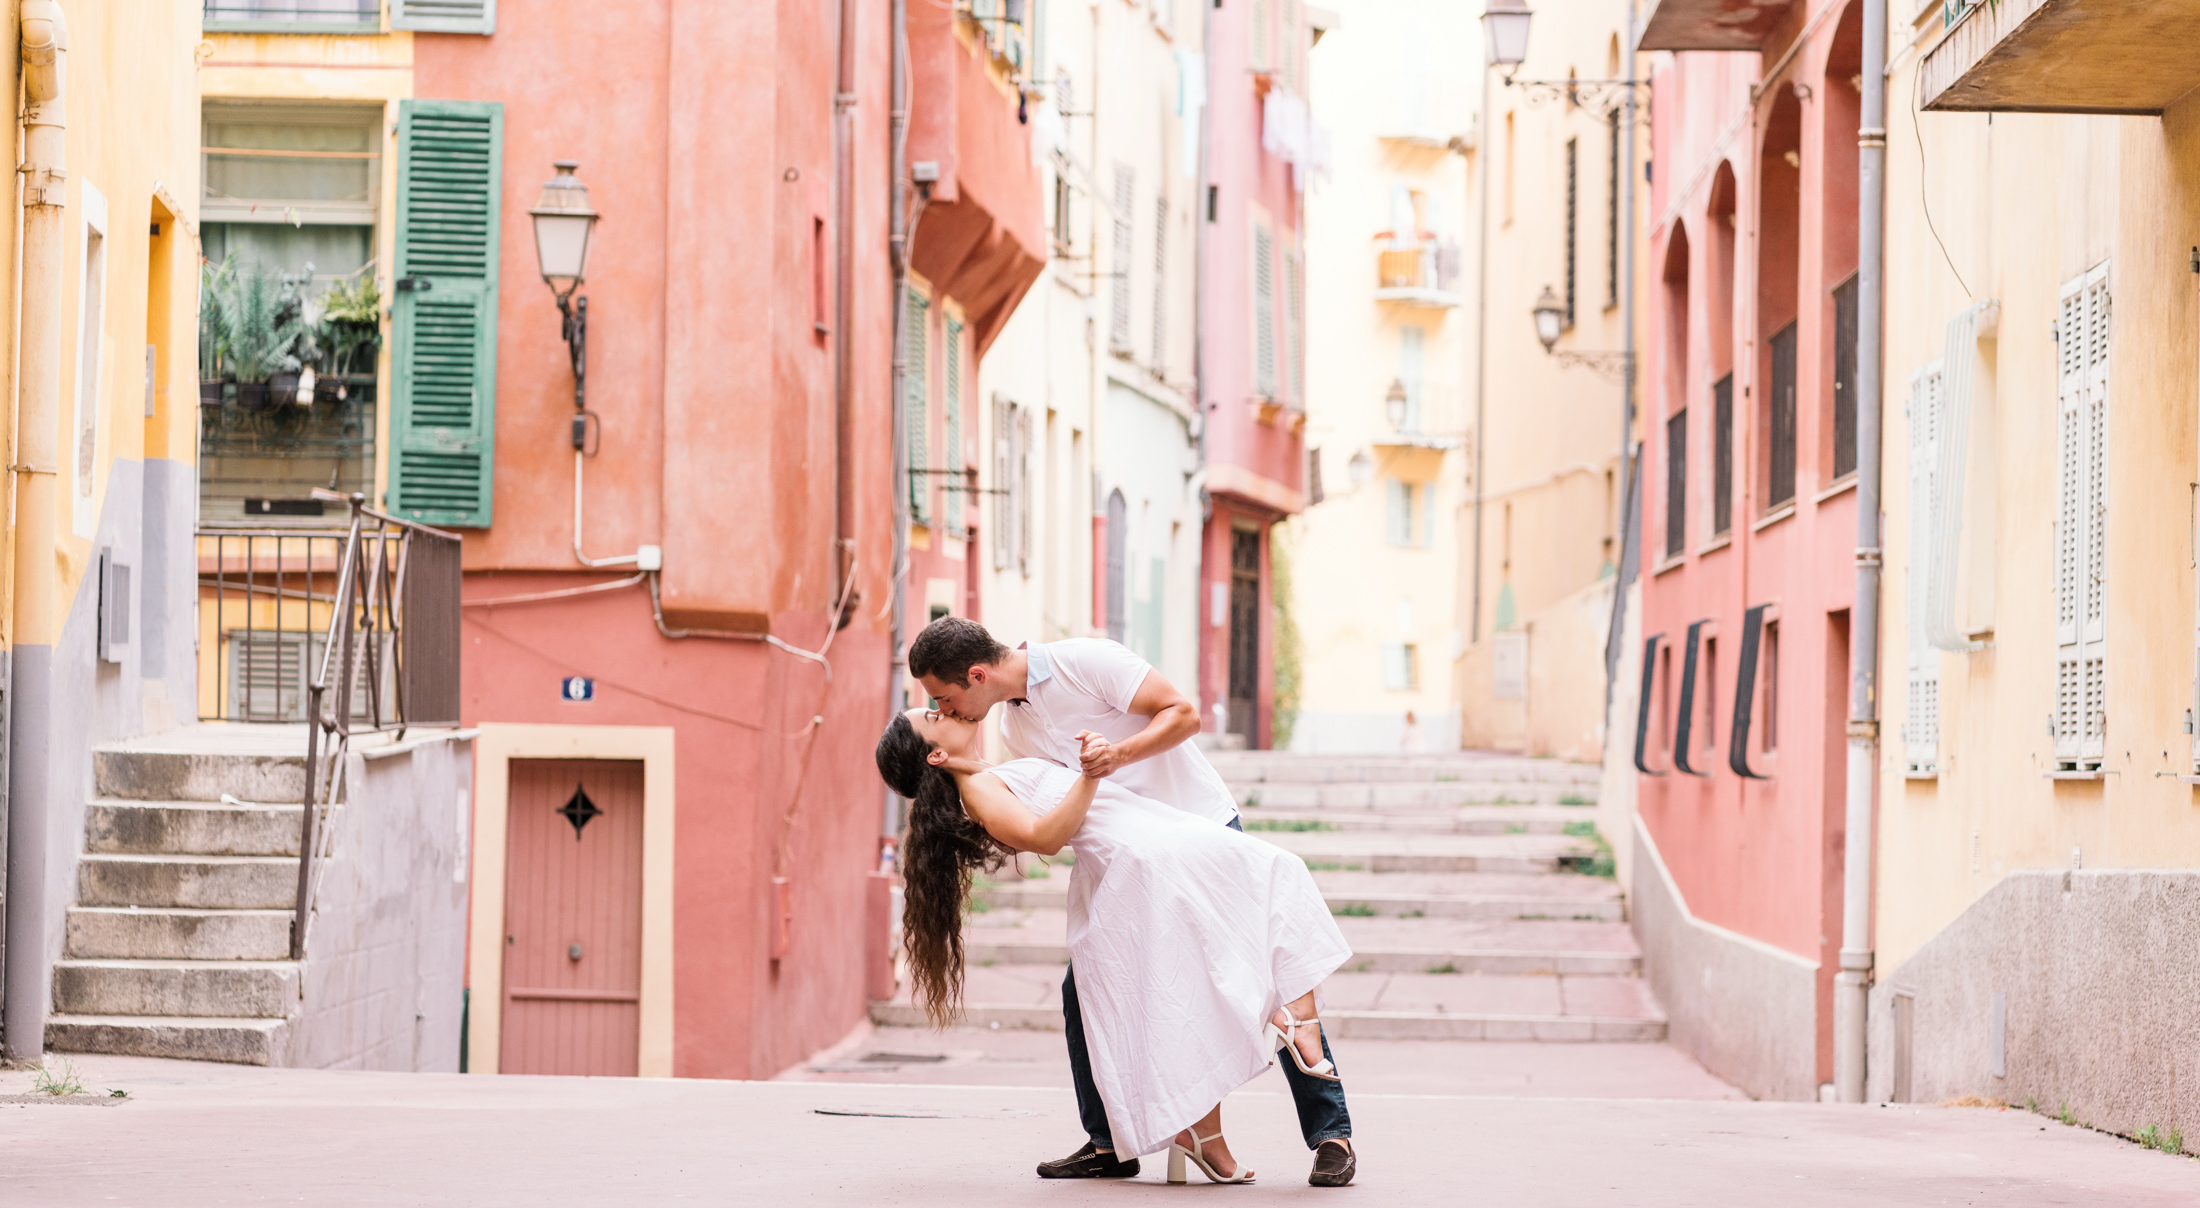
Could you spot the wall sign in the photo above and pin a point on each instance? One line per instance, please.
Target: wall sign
(577, 688)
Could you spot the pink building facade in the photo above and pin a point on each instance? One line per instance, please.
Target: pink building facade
(1749, 527)
(1259, 148)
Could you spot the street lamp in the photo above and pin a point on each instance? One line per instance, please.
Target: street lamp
(1359, 469)
(563, 222)
(1394, 404)
(1505, 32)
(1550, 318)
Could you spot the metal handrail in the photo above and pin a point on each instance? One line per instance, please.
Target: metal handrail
(369, 603)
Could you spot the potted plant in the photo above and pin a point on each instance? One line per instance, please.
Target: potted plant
(350, 330)
(215, 282)
(265, 325)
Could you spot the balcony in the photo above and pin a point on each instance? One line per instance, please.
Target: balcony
(1712, 24)
(2065, 56)
(1418, 273)
(293, 16)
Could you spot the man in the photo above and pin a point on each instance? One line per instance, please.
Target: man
(1055, 690)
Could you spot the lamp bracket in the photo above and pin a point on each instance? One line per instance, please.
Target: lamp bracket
(1585, 94)
(1610, 364)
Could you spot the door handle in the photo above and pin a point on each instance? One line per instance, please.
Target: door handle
(406, 285)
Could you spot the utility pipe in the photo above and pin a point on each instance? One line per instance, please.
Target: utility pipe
(844, 101)
(1623, 573)
(1481, 349)
(897, 248)
(1852, 987)
(44, 47)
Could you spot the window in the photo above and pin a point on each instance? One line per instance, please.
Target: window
(1411, 340)
(288, 198)
(1401, 667)
(1119, 521)
(1722, 456)
(1411, 516)
(1611, 212)
(1294, 276)
(1768, 672)
(1264, 311)
(293, 16)
(2081, 523)
(1063, 231)
(1119, 282)
(952, 455)
(1780, 430)
(1573, 213)
(1676, 484)
(1844, 378)
(91, 323)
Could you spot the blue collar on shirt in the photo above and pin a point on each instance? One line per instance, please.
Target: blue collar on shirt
(1038, 669)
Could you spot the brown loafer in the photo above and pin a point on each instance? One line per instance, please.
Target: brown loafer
(1334, 1164)
(1089, 1163)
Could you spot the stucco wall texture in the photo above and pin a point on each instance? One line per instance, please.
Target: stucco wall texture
(2099, 975)
(1743, 1008)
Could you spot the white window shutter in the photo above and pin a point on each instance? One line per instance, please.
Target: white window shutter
(2081, 514)
(1119, 286)
(1023, 491)
(1264, 312)
(445, 16)
(1921, 714)
(1399, 530)
(1004, 508)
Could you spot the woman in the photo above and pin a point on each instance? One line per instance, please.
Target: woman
(1197, 948)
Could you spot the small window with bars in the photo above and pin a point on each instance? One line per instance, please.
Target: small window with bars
(1676, 484)
(1780, 421)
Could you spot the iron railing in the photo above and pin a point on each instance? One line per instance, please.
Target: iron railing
(388, 660)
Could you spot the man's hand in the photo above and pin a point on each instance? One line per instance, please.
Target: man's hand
(1098, 756)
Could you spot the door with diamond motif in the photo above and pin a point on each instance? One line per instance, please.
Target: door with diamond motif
(573, 917)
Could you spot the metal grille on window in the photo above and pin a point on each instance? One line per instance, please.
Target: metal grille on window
(1780, 431)
(1119, 285)
(1676, 483)
(2081, 515)
(1921, 712)
(1573, 212)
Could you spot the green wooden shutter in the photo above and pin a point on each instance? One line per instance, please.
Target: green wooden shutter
(445, 16)
(916, 389)
(955, 456)
(444, 318)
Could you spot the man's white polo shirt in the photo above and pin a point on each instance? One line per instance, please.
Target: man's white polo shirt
(1088, 684)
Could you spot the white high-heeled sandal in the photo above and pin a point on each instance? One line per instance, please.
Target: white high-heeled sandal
(1286, 1038)
(1178, 1153)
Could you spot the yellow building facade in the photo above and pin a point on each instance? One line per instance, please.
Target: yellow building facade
(2039, 828)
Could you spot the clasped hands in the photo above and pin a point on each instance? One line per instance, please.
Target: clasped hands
(1097, 756)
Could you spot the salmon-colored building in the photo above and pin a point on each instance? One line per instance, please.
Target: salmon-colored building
(1260, 150)
(1749, 529)
(677, 621)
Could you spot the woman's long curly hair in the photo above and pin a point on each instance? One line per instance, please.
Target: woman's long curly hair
(940, 852)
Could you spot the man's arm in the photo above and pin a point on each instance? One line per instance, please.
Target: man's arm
(1173, 720)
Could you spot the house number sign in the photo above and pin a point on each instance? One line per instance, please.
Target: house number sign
(577, 688)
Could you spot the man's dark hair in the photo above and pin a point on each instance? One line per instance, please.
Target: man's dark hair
(948, 648)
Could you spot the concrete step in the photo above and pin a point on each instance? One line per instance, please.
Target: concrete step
(1472, 896)
(210, 882)
(233, 989)
(238, 1041)
(130, 933)
(1247, 767)
(1459, 820)
(200, 763)
(1379, 945)
(1372, 1006)
(191, 828)
(1377, 852)
(1284, 795)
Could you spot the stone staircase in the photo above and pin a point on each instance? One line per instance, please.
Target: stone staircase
(1465, 883)
(179, 942)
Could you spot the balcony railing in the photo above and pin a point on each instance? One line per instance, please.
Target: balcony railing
(1418, 272)
(293, 16)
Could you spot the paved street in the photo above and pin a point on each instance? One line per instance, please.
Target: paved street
(194, 1134)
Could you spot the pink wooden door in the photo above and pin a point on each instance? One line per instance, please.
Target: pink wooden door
(573, 917)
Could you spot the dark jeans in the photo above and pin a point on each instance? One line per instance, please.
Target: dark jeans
(1322, 1113)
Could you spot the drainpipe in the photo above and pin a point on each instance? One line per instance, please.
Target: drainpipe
(897, 247)
(844, 101)
(1851, 993)
(1624, 572)
(1481, 353)
(38, 417)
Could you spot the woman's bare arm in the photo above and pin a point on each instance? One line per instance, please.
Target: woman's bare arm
(1006, 819)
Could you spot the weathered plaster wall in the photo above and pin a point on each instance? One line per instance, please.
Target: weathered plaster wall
(385, 956)
(2097, 973)
(1742, 1007)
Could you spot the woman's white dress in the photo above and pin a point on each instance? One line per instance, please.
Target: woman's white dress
(1186, 936)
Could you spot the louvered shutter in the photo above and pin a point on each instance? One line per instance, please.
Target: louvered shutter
(445, 16)
(1119, 285)
(1161, 282)
(916, 382)
(1004, 508)
(443, 324)
(1295, 302)
(1921, 713)
(954, 458)
(1264, 312)
(2081, 624)
(1023, 491)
